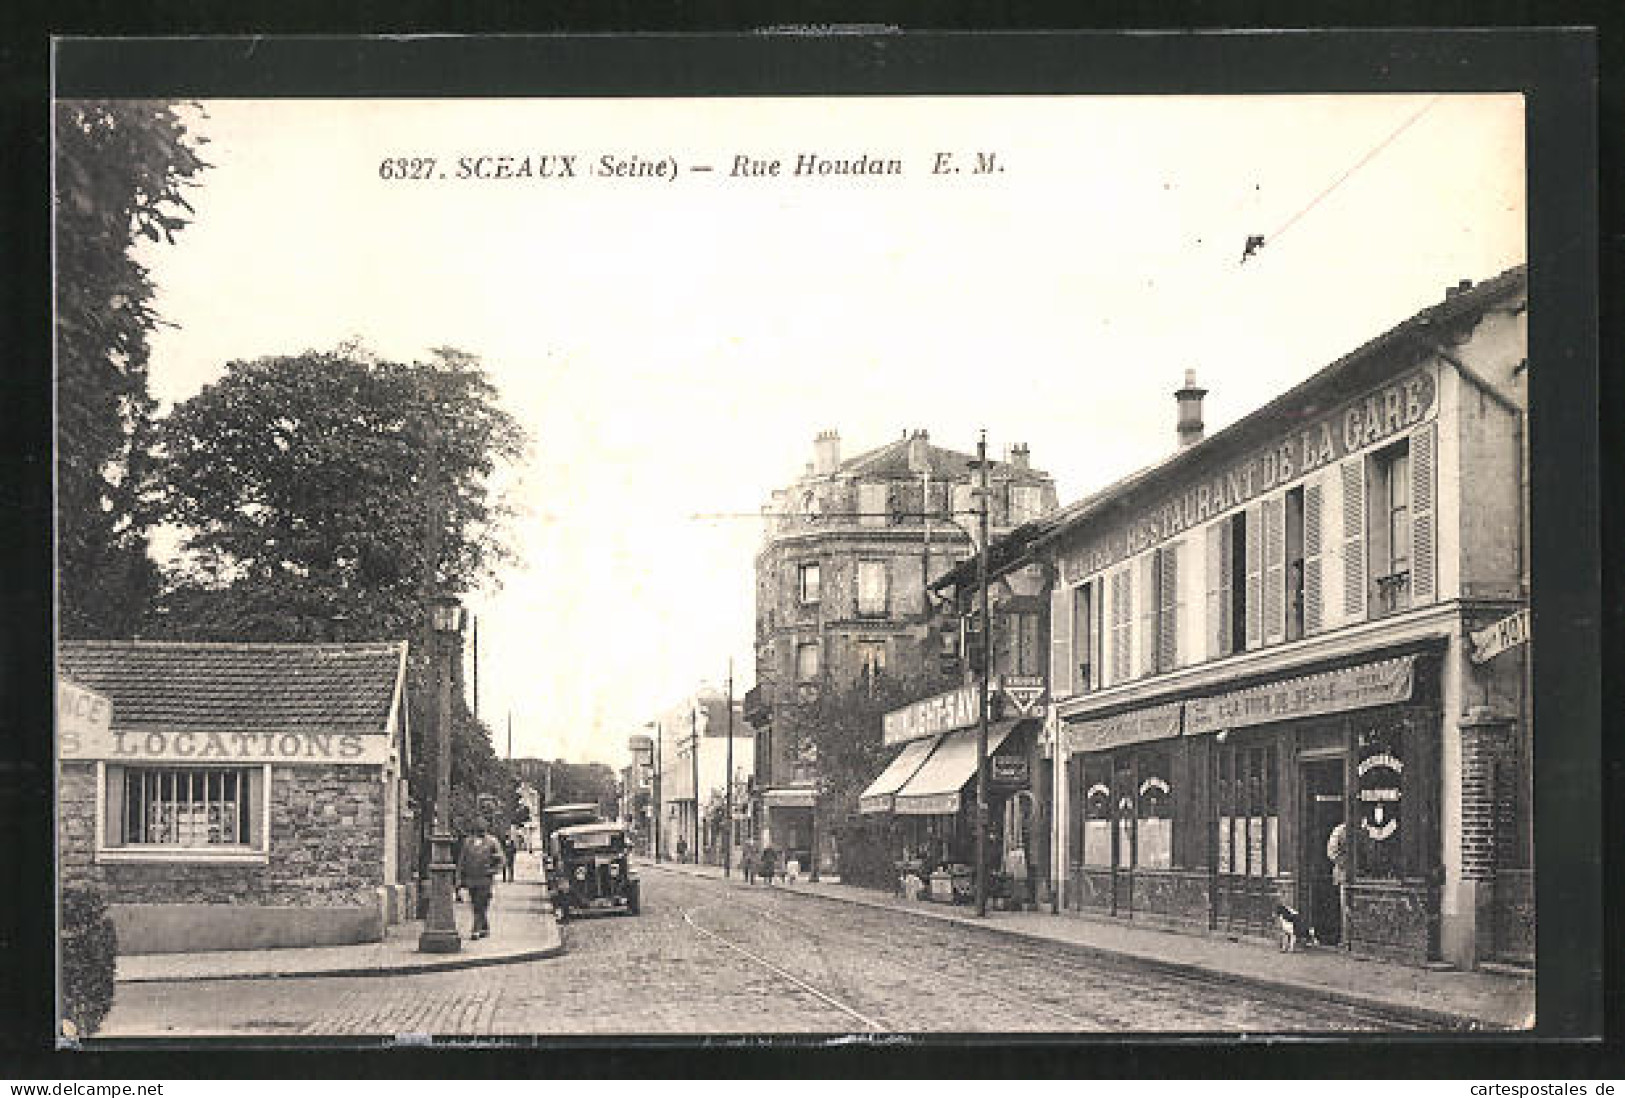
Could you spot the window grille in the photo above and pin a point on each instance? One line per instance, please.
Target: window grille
(186, 807)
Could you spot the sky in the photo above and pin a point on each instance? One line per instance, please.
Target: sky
(672, 345)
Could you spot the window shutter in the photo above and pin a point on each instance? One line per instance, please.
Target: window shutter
(1121, 580)
(1060, 631)
(1353, 471)
(1168, 607)
(1274, 570)
(1313, 599)
(872, 510)
(1146, 604)
(1424, 548)
(1255, 576)
(1218, 589)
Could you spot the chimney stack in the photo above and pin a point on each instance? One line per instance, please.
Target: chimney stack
(826, 452)
(1190, 411)
(919, 451)
(1459, 288)
(1020, 456)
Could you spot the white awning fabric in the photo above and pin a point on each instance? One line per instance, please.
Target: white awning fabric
(882, 791)
(935, 788)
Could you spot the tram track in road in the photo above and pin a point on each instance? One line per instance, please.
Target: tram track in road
(867, 1022)
(1065, 992)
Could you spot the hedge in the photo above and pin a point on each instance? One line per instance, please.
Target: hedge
(89, 949)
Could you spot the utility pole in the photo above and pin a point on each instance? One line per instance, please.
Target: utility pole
(510, 735)
(987, 670)
(476, 622)
(694, 761)
(728, 784)
(658, 737)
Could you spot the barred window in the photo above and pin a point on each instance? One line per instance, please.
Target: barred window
(183, 808)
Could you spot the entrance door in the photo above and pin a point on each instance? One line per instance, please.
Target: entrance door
(1247, 838)
(1123, 837)
(1323, 810)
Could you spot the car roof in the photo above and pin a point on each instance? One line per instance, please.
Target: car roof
(562, 809)
(590, 829)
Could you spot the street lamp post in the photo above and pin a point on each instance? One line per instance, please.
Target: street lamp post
(439, 926)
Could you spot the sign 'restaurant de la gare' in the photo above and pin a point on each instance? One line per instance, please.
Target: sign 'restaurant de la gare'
(195, 746)
(1383, 683)
(932, 716)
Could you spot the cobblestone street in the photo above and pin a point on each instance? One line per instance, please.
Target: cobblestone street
(708, 956)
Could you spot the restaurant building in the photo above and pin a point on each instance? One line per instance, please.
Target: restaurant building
(235, 796)
(1313, 618)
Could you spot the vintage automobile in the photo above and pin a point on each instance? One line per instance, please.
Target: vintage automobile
(563, 815)
(589, 870)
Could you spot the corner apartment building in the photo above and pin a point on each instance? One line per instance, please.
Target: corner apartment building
(1312, 619)
(841, 588)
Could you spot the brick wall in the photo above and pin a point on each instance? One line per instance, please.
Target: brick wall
(327, 845)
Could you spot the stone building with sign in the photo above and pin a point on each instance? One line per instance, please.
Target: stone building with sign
(841, 581)
(693, 740)
(1271, 634)
(235, 796)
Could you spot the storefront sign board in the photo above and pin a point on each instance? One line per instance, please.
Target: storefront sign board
(1025, 693)
(1386, 682)
(1509, 632)
(945, 712)
(1009, 771)
(225, 748)
(80, 715)
(1377, 416)
(1156, 722)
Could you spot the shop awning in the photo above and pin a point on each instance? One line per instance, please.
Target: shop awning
(789, 796)
(882, 791)
(935, 788)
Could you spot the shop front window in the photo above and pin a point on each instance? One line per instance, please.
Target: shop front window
(1154, 809)
(1097, 813)
(1380, 784)
(1249, 816)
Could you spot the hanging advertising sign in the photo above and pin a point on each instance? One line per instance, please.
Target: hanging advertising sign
(1025, 693)
(1009, 771)
(1381, 776)
(1509, 632)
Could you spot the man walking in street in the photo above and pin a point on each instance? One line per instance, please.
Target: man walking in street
(509, 849)
(480, 860)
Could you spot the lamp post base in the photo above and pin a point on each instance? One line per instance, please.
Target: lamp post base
(440, 926)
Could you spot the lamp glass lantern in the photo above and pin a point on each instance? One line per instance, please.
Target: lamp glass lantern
(445, 615)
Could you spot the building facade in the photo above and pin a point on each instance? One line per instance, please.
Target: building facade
(1310, 622)
(841, 591)
(693, 747)
(234, 796)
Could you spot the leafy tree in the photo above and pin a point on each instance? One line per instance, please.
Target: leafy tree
(839, 728)
(121, 172)
(326, 497)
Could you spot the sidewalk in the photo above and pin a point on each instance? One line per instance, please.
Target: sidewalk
(523, 928)
(1450, 999)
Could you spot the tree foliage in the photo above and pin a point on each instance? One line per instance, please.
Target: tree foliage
(326, 495)
(122, 170)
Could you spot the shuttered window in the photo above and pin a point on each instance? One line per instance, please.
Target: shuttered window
(1168, 607)
(1061, 681)
(1424, 542)
(1218, 589)
(1388, 530)
(1274, 570)
(1313, 588)
(1122, 593)
(1294, 563)
(184, 808)
(1253, 608)
(873, 588)
(872, 506)
(1145, 655)
(1353, 476)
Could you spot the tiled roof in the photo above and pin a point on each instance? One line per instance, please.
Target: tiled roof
(239, 687)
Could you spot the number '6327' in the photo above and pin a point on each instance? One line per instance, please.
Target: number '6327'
(406, 167)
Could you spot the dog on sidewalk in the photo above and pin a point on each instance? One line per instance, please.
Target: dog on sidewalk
(1294, 928)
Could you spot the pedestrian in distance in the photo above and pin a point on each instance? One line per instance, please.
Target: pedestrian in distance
(480, 861)
(747, 861)
(682, 850)
(769, 863)
(509, 849)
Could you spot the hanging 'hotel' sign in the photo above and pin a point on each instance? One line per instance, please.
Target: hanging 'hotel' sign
(932, 717)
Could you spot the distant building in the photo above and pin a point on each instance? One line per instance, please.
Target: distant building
(234, 796)
(841, 582)
(699, 722)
